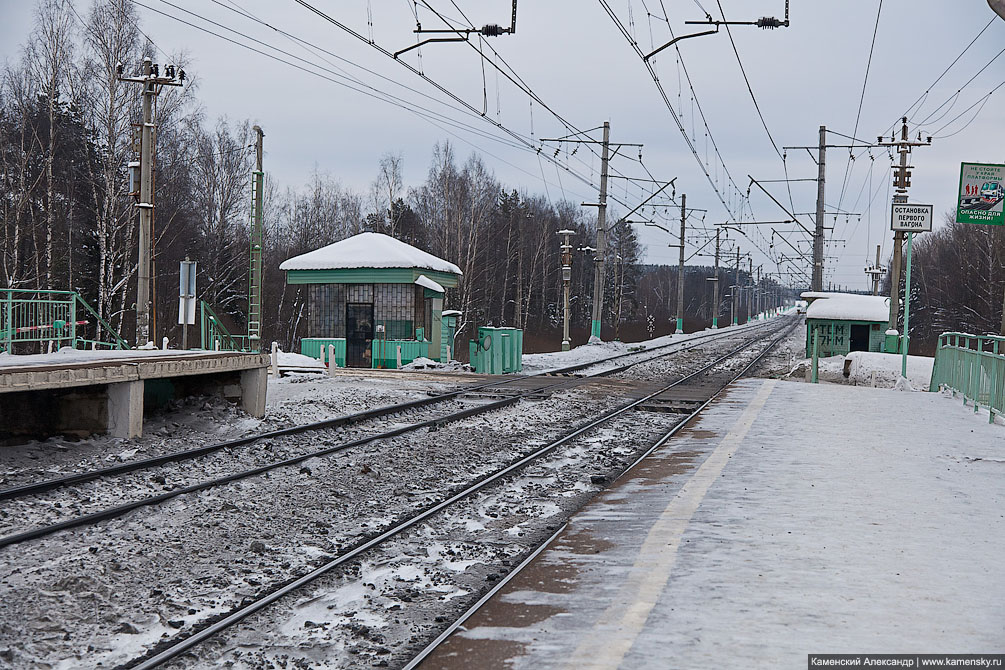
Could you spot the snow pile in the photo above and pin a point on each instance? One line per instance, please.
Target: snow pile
(368, 250)
(869, 368)
(423, 363)
(299, 362)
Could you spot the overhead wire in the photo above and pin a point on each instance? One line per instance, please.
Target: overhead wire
(428, 117)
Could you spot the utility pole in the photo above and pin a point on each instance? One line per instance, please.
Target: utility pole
(255, 264)
(566, 282)
(818, 231)
(750, 277)
(715, 285)
(876, 272)
(680, 267)
(152, 83)
(901, 182)
(598, 260)
(736, 287)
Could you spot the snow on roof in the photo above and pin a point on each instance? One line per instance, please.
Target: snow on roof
(426, 282)
(848, 307)
(451, 312)
(368, 250)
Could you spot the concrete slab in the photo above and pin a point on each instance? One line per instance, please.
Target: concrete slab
(93, 391)
(788, 519)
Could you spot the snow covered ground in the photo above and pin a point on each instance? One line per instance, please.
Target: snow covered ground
(789, 519)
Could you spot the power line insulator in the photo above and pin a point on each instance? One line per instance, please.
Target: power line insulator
(493, 30)
(768, 23)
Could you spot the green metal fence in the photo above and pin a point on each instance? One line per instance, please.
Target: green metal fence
(34, 318)
(215, 336)
(974, 367)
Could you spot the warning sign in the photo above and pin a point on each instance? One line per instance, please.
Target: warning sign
(982, 194)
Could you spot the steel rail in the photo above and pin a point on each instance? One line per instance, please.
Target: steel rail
(336, 422)
(124, 508)
(491, 593)
(244, 611)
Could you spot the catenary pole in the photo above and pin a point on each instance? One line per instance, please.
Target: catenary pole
(255, 261)
(152, 82)
(818, 231)
(715, 284)
(598, 261)
(680, 266)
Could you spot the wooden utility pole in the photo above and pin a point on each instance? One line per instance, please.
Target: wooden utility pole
(152, 83)
(680, 267)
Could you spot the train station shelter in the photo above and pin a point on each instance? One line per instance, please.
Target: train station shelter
(370, 296)
(845, 322)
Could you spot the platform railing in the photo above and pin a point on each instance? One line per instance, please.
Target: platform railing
(972, 366)
(215, 336)
(55, 318)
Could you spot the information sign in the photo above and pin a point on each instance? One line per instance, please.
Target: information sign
(911, 218)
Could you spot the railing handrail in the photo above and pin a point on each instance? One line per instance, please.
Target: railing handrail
(31, 310)
(121, 343)
(974, 367)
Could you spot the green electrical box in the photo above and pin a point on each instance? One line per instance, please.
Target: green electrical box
(497, 350)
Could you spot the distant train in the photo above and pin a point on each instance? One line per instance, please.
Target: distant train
(992, 192)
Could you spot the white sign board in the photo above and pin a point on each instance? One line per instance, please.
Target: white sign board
(912, 218)
(186, 292)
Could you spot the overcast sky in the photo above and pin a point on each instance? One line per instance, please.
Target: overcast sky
(574, 57)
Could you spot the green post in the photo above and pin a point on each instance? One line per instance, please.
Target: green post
(680, 325)
(9, 324)
(595, 328)
(816, 356)
(905, 339)
(715, 321)
(73, 320)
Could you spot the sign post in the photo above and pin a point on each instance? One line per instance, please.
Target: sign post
(909, 219)
(186, 298)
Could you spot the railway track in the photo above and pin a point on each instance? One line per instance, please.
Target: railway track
(518, 389)
(706, 382)
(34, 488)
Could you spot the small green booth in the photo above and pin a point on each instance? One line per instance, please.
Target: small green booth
(377, 300)
(845, 322)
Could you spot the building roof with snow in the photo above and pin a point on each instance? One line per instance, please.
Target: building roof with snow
(847, 307)
(371, 258)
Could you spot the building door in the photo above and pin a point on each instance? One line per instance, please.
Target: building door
(358, 334)
(859, 337)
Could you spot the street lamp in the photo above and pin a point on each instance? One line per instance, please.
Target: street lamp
(566, 281)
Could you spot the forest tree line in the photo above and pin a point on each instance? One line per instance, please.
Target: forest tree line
(67, 221)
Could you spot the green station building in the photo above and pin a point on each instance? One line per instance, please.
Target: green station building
(370, 296)
(845, 322)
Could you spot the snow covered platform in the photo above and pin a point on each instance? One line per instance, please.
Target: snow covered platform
(789, 519)
(72, 391)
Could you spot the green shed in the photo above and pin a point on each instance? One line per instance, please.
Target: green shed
(845, 322)
(370, 296)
